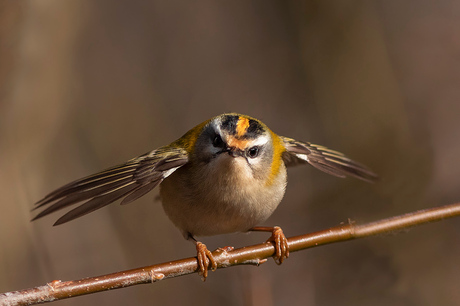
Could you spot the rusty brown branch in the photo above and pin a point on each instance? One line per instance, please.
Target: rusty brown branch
(254, 255)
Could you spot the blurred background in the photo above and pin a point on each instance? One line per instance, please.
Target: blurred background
(85, 85)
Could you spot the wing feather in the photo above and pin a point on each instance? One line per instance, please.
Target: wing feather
(99, 179)
(96, 203)
(136, 194)
(324, 159)
(131, 180)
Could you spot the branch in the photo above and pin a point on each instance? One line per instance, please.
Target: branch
(227, 257)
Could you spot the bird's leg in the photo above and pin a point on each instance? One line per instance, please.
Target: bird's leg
(278, 239)
(204, 257)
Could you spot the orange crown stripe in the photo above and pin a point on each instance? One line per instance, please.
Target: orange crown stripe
(242, 126)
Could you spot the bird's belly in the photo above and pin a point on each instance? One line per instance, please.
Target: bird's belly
(221, 208)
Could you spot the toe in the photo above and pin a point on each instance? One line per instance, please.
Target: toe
(281, 245)
(204, 257)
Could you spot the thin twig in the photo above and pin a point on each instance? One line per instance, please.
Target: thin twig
(253, 255)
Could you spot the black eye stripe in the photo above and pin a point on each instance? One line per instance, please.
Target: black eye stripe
(217, 141)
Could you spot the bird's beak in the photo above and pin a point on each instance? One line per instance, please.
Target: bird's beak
(234, 152)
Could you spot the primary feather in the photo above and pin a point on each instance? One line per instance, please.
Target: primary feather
(324, 159)
(131, 180)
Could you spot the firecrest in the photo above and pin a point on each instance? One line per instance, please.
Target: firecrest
(227, 174)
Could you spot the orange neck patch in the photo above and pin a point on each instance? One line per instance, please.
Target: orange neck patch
(242, 126)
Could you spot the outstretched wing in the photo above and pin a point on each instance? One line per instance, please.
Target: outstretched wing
(324, 159)
(131, 180)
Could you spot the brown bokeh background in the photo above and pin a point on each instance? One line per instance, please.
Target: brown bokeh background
(85, 85)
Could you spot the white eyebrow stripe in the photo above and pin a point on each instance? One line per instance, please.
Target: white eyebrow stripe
(260, 140)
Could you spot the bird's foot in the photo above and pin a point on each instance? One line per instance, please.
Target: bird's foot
(281, 245)
(278, 239)
(204, 257)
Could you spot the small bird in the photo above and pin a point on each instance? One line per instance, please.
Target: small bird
(226, 175)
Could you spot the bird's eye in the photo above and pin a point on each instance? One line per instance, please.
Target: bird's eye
(217, 141)
(253, 152)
